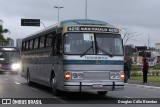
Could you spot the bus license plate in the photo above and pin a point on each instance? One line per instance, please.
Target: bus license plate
(97, 85)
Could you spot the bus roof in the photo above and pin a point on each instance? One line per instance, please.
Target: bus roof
(73, 22)
(83, 22)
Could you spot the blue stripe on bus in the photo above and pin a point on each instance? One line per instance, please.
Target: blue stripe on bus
(93, 62)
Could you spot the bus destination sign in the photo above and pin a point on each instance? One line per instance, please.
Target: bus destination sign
(93, 29)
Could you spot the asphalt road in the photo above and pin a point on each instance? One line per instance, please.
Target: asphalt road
(14, 86)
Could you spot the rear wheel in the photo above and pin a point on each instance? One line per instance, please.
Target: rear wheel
(55, 91)
(102, 93)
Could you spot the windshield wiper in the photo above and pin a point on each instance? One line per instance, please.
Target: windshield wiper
(109, 54)
(86, 51)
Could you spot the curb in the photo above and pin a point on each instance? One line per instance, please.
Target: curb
(143, 86)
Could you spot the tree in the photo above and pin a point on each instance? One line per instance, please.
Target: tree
(128, 35)
(3, 40)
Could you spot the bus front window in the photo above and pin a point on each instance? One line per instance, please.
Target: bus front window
(84, 44)
(12, 56)
(110, 44)
(78, 43)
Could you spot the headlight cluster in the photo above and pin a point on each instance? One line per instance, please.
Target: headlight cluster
(16, 66)
(115, 75)
(73, 75)
(77, 75)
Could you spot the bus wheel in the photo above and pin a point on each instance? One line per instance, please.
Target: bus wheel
(55, 91)
(29, 82)
(102, 93)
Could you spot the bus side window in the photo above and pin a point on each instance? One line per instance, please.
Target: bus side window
(36, 43)
(23, 46)
(42, 41)
(57, 46)
(31, 44)
(27, 45)
(48, 40)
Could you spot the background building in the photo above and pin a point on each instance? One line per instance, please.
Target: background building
(11, 42)
(129, 50)
(157, 46)
(18, 43)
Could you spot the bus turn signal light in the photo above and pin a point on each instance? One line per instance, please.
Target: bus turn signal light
(122, 75)
(67, 75)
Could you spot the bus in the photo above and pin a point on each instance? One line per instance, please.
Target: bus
(75, 56)
(9, 59)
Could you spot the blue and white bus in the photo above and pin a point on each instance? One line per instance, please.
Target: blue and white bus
(75, 55)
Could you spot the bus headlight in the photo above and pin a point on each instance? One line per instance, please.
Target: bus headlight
(77, 75)
(114, 75)
(16, 66)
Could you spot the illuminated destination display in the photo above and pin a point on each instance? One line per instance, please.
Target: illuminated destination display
(7, 49)
(93, 29)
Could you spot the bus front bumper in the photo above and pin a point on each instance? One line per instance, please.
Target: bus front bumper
(93, 86)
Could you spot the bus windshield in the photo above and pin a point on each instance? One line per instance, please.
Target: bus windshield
(11, 56)
(91, 44)
(110, 43)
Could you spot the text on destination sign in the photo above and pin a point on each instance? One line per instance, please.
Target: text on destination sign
(97, 29)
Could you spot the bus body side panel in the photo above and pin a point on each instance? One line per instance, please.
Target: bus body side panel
(58, 69)
(39, 64)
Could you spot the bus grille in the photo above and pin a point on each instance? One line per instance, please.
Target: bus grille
(96, 76)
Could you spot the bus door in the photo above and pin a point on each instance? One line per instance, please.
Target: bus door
(58, 57)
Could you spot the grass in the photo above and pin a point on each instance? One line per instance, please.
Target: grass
(150, 78)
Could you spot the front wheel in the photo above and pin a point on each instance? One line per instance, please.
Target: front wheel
(102, 93)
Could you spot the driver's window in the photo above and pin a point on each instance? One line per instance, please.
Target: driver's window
(57, 45)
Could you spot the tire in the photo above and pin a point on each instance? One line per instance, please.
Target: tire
(55, 91)
(29, 82)
(102, 93)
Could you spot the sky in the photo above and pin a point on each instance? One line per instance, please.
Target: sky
(140, 16)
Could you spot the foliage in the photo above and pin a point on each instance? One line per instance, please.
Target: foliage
(128, 59)
(155, 73)
(150, 73)
(128, 35)
(156, 67)
(134, 73)
(3, 40)
(150, 78)
(135, 68)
